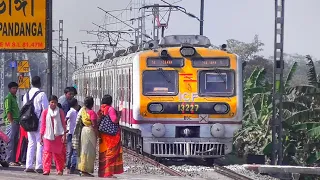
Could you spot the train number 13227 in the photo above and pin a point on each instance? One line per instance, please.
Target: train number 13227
(188, 107)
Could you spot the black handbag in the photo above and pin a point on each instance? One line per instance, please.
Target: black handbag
(107, 126)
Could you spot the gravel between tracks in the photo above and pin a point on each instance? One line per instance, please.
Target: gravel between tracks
(135, 165)
(193, 171)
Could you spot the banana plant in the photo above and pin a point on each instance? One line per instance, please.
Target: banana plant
(255, 135)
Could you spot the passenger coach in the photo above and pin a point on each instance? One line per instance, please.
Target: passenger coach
(179, 98)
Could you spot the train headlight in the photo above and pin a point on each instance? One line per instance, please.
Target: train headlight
(158, 130)
(220, 108)
(164, 54)
(187, 51)
(155, 108)
(217, 130)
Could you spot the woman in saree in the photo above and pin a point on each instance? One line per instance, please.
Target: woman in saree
(53, 135)
(85, 138)
(110, 149)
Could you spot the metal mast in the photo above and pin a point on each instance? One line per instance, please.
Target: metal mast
(2, 62)
(278, 87)
(60, 81)
(143, 23)
(67, 63)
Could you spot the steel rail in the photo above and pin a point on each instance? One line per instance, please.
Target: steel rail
(153, 162)
(229, 173)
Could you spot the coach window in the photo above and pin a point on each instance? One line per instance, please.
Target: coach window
(216, 83)
(160, 82)
(109, 84)
(96, 87)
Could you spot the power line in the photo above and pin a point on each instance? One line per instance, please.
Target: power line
(125, 23)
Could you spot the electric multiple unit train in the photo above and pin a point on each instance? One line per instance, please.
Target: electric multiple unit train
(179, 98)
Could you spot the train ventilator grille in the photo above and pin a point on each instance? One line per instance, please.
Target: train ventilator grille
(187, 149)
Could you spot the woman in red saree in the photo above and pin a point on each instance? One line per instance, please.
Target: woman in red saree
(110, 149)
(53, 135)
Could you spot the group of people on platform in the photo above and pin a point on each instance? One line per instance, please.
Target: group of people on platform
(67, 134)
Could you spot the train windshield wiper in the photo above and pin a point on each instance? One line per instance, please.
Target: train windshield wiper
(164, 75)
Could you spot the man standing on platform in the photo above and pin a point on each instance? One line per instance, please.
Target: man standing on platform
(69, 93)
(11, 117)
(40, 103)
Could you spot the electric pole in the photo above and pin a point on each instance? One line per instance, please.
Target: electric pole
(67, 62)
(75, 57)
(82, 58)
(59, 82)
(201, 17)
(143, 23)
(278, 84)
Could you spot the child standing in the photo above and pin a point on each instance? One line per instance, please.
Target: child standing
(71, 124)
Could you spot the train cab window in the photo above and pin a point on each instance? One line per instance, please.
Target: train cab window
(160, 82)
(216, 83)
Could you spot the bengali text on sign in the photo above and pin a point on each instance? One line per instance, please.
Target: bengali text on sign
(23, 24)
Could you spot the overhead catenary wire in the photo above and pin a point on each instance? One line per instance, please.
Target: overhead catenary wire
(146, 35)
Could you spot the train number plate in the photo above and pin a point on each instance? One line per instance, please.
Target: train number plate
(188, 108)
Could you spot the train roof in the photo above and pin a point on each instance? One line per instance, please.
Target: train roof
(125, 56)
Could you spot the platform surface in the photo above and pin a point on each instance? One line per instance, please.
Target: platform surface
(17, 173)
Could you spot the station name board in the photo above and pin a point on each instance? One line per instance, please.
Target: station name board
(23, 24)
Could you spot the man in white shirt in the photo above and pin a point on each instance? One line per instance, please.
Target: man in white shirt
(40, 103)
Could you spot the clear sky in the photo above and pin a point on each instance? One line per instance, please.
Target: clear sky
(224, 19)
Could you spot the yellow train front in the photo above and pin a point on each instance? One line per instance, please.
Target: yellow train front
(190, 99)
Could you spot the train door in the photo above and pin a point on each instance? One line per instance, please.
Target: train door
(126, 97)
(121, 90)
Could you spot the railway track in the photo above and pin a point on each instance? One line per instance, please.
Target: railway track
(217, 169)
(229, 173)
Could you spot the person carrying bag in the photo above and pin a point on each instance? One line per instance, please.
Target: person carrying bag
(106, 125)
(110, 149)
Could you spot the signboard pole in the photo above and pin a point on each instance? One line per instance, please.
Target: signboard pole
(49, 43)
(2, 68)
(12, 67)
